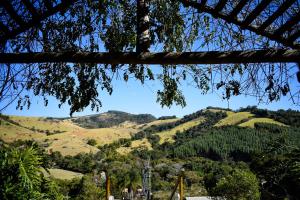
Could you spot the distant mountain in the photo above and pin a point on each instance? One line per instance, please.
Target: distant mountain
(112, 118)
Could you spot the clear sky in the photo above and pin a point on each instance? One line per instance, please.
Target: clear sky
(135, 98)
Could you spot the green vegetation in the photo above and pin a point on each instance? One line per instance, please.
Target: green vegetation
(92, 142)
(231, 161)
(21, 177)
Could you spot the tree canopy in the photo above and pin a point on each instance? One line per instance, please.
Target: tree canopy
(118, 26)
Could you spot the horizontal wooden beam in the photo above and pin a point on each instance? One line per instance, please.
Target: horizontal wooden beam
(210, 57)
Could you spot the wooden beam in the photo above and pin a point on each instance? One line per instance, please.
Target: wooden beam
(288, 25)
(238, 8)
(12, 12)
(257, 10)
(48, 4)
(36, 21)
(30, 8)
(294, 36)
(236, 21)
(284, 6)
(210, 57)
(221, 4)
(4, 28)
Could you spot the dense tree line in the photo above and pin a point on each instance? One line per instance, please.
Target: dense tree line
(234, 142)
(288, 117)
(115, 118)
(167, 117)
(210, 119)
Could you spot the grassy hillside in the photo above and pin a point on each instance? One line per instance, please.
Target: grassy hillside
(251, 122)
(10, 132)
(142, 143)
(167, 136)
(61, 174)
(64, 135)
(67, 137)
(234, 118)
(43, 124)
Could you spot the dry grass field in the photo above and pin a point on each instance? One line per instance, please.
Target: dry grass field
(167, 136)
(44, 123)
(252, 121)
(143, 143)
(234, 118)
(72, 139)
(61, 174)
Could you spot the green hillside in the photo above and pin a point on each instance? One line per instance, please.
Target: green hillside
(212, 145)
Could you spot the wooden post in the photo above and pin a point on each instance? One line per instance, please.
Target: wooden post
(181, 187)
(107, 186)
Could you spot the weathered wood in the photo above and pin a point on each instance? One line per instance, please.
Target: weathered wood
(284, 6)
(221, 4)
(48, 4)
(294, 36)
(288, 25)
(210, 57)
(257, 10)
(238, 8)
(3, 28)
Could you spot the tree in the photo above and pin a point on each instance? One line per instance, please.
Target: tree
(174, 26)
(239, 185)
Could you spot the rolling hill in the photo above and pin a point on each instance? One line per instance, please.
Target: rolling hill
(70, 136)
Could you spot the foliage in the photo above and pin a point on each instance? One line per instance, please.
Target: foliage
(92, 142)
(21, 177)
(167, 117)
(288, 117)
(82, 162)
(237, 143)
(279, 170)
(238, 185)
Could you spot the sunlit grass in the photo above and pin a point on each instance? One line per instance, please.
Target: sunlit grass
(167, 136)
(234, 118)
(61, 174)
(252, 122)
(142, 143)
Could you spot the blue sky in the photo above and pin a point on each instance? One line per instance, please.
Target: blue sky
(135, 98)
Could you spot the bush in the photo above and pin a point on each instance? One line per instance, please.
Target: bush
(92, 142)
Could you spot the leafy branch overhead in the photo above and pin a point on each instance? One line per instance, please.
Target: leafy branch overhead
(174, 26)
